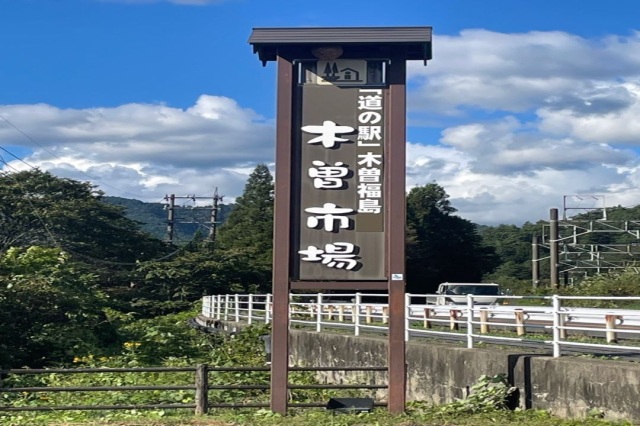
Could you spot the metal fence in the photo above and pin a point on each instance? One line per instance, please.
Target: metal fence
(559, 324)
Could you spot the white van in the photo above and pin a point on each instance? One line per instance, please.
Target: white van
(456, 293)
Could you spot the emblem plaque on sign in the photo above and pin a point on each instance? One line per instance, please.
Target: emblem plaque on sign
(342, 72)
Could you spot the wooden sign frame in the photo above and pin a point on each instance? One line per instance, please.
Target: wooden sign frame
(289, 47)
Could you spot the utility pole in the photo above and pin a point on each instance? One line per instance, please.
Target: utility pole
(170, 216)
(214, 215)
(535, 261)
(553, 247)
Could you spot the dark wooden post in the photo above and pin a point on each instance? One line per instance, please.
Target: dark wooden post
(396, 204)
(281, 268)
(202, 389)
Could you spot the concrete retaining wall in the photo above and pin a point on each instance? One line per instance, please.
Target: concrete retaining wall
(438, 373)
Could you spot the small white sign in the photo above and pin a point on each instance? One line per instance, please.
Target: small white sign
(397, 277)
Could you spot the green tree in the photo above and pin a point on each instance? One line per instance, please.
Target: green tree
(41, 209)
(51, 309)
(174, 284)
(513, 248)
(441, 246)
(247, 234)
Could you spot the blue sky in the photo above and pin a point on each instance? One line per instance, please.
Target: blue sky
(523, 103)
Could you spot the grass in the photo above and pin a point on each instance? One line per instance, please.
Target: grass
(417, 414)
(414, 417)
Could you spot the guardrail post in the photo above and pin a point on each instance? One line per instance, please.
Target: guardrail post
(367, 312)
(206, 306)
(453, 319)
(218, 306)
(427, 315)
(202, 389)
(407, 315)
(319, 313)
(341, 313)
(519, 314)
(212, 306)
(556, 325)
(469, 321)
(356, 312)
(610, 321)
(330, 312)
(226, 307)
(562, 318)
(484, 320)
(236, 302)
(267, 309)
(250, 313)
(385, 314)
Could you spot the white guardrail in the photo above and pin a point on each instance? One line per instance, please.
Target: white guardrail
(550, 325)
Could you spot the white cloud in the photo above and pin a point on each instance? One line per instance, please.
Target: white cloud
(492, 197)
(508, 146)
(610, 116)
(515, 72)
(144, 150)
(214, 132)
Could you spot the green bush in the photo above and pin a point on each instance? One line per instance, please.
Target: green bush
(488, 394)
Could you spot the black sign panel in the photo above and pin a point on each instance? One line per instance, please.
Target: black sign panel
(340, 138)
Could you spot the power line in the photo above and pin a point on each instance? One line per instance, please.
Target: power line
(16, 157)
(57, 244)
(27, 136)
